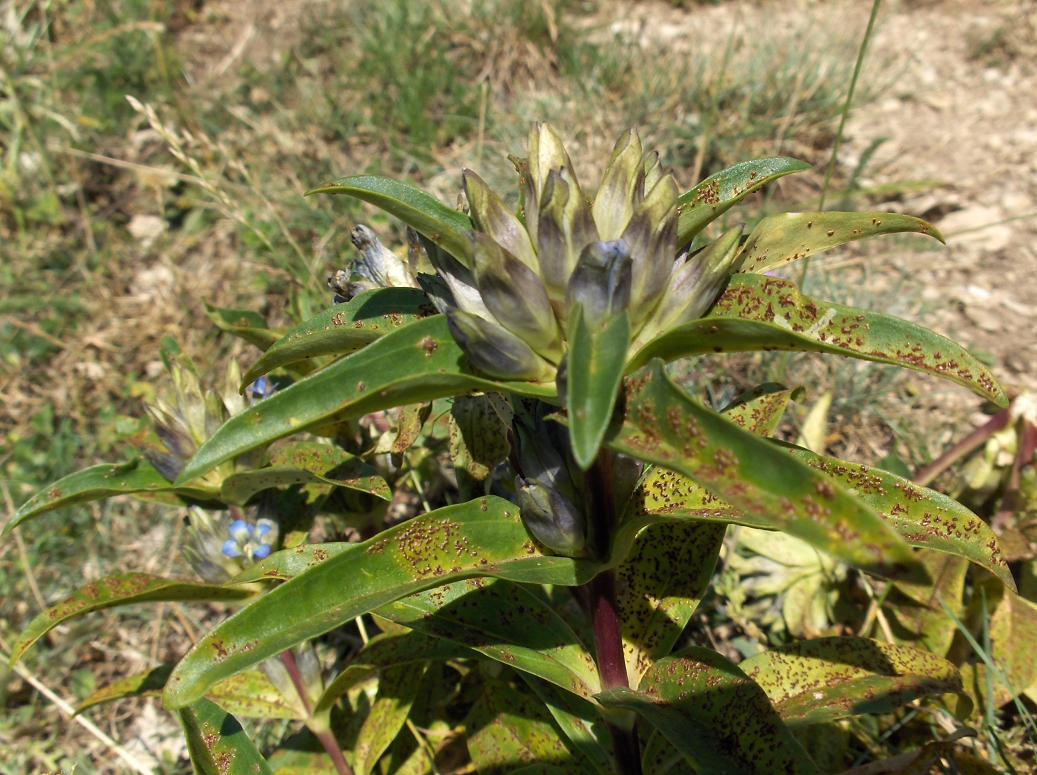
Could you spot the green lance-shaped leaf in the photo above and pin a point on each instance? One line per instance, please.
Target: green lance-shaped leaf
(760, 409)
(505, 622)
(715, 715)
(249, 694)
(915, 611)
(418, 362)
(388, 651)
(766, 313)
(422, 212)
(579, 721)
(343, 328)
(594, 372)
(397, 689)
(660, 585)
(660, 757)
(217, 744)
(96, 483)
(148, 682)
(1007, 668)
(479, 427)
(244, 324)
(118, 590)
(664, 425)
(306, 463)
(302, 754)
(508, 730)
(484, 537)
(786, 237)
(814, 681)
(289, 563)
(922, 517)
(720, 192)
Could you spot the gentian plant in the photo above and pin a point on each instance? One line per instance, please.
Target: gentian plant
(588, 494)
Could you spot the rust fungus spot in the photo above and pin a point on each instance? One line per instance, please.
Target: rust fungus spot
(337, 319)
(220, 648)
(429, 345)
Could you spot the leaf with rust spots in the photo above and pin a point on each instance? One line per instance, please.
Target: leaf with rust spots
(118, 590)
(397, 689)
(406, 423)
(217, 744)
(288, 563)
(660, 585)
(479, 428)
(915, 611)
(714, 714)
(660, 757)
(767, 313)
(249, 694)
(758, 483)
(484, 537)
(508, 730)
(815, 681)
(343, 328)
(307, 462)
(786, 237)
(136, 477)
(507, 622)
(921, 517)
(761, 409)
(380, 376)
(387, 651)
(720, 192)
(148, 682)
(1012, 632)
(580, 724)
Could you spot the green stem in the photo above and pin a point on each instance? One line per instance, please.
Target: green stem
(325, 736)
(858, 65)
(601, 593)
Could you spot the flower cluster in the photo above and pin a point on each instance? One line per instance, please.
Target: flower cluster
(219, 547)
(614, 254)
(248, 540)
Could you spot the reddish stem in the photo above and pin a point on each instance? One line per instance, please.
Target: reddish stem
(325, 736)
(601, 592)
(978, 436)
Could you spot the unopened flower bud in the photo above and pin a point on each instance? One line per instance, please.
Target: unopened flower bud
(496, 352)
(516, 297)
(601, 282)
(551, 519)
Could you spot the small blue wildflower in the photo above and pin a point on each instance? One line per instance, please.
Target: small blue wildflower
(261, 388)
(252, 541)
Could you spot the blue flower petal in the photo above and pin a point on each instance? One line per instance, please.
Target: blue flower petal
(261, 551)
(262, 531)
(240, 530)
(231, 548)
